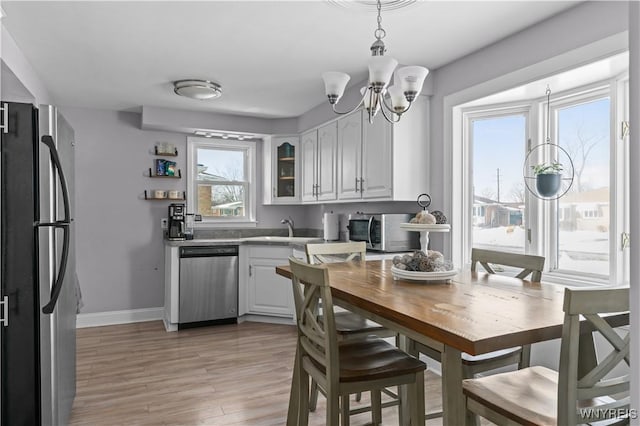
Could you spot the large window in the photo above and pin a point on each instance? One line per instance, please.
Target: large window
(498, 144)
(582, 233)
(221, 180)
(583, 130)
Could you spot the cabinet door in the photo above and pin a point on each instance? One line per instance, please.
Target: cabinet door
(327, 146)
(309, 160)
(269, 293)
(285, 173)
(349, 156)
(377, 159)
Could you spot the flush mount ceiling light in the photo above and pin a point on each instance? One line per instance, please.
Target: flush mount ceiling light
(197, 89)
(407, 82)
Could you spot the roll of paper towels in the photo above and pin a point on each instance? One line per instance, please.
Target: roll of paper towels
(331, 226)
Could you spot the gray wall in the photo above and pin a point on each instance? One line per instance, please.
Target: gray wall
(119, 241)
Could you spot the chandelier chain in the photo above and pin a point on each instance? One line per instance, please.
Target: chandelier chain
(379, 33)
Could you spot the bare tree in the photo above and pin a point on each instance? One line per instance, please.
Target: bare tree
(488, 193)
(224, 194)
(517, 192)
(579, 148)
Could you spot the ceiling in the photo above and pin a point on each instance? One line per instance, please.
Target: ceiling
(267, 55)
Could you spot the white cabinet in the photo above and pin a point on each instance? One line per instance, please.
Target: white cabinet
(281, 160)
(309, 160)
(266, 292)
(377, 159)
(364, 158)
(350, 156)
(381, 161)
(318, 150)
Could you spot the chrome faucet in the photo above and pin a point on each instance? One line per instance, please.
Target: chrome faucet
(289, 223)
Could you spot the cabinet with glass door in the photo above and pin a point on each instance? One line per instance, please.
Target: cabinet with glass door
(285, 169)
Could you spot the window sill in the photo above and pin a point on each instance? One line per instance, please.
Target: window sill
(569, 280)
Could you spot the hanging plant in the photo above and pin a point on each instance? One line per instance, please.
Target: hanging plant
(553, 179)
(548, 178)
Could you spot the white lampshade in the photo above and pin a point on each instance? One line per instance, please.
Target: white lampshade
(335, 82)
(381, 69)
(411, 78)
(398, 100)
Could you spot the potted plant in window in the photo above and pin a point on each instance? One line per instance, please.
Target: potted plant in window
(548, 178)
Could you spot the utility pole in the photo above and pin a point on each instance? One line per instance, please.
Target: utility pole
(498, 178)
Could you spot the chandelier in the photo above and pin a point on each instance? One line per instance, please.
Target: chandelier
(393, 100)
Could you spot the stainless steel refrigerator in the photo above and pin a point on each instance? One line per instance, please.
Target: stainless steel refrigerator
(38, 287)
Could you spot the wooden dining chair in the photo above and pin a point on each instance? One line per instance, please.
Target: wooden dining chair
(349, 325)
(580, 392)
(530, 264)
(476, 364)
(345, 367)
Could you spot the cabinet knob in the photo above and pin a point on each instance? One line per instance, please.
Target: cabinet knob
(357, 184)
(361, 185)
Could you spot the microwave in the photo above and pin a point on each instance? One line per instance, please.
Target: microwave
(382, 232)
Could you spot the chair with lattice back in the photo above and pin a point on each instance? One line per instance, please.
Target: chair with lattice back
(349, 366)
(584, 389)
(349, 325)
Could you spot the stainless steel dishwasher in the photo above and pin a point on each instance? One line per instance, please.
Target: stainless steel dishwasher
(208, 284)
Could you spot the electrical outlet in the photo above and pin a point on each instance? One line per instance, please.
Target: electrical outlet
(164, 223)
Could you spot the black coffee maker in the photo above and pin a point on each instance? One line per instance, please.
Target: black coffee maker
(176, 222)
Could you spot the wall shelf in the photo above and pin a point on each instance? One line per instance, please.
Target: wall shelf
(148, 196)
(176, 176)
(173, 153)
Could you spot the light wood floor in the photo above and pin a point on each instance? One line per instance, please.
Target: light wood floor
(138, 374)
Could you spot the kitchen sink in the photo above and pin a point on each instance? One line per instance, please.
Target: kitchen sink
(277, 239)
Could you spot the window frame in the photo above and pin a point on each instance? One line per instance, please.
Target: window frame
(539, 214)
(469, 115)
(249, 183)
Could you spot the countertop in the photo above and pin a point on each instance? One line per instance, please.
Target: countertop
(265, 240)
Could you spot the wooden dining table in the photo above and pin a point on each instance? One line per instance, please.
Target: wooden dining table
(473, 312)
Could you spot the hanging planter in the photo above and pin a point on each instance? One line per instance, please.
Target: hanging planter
(542, 164)
(548, 178)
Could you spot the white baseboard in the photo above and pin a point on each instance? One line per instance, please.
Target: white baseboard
(99, 319)
(267, 319)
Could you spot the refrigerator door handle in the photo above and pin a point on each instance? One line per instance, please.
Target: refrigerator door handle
(48, 141)
(58, 224)
(57, 286)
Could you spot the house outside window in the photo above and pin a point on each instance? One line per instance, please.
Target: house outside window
(221, 183)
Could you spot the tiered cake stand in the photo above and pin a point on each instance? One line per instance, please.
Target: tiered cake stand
(424, 230)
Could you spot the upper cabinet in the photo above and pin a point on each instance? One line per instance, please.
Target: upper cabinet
(384, 161)
(309, 160)
(282, 166)
(319, 163)
(364, 158)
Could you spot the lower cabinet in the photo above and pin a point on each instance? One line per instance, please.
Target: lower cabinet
(266, 292)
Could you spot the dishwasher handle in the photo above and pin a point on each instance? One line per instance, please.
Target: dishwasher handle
(208, 251)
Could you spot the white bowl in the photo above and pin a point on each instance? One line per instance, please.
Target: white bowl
(401, 274)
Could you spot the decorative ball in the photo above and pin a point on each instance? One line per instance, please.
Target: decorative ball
(440, 217)
(427, 219)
